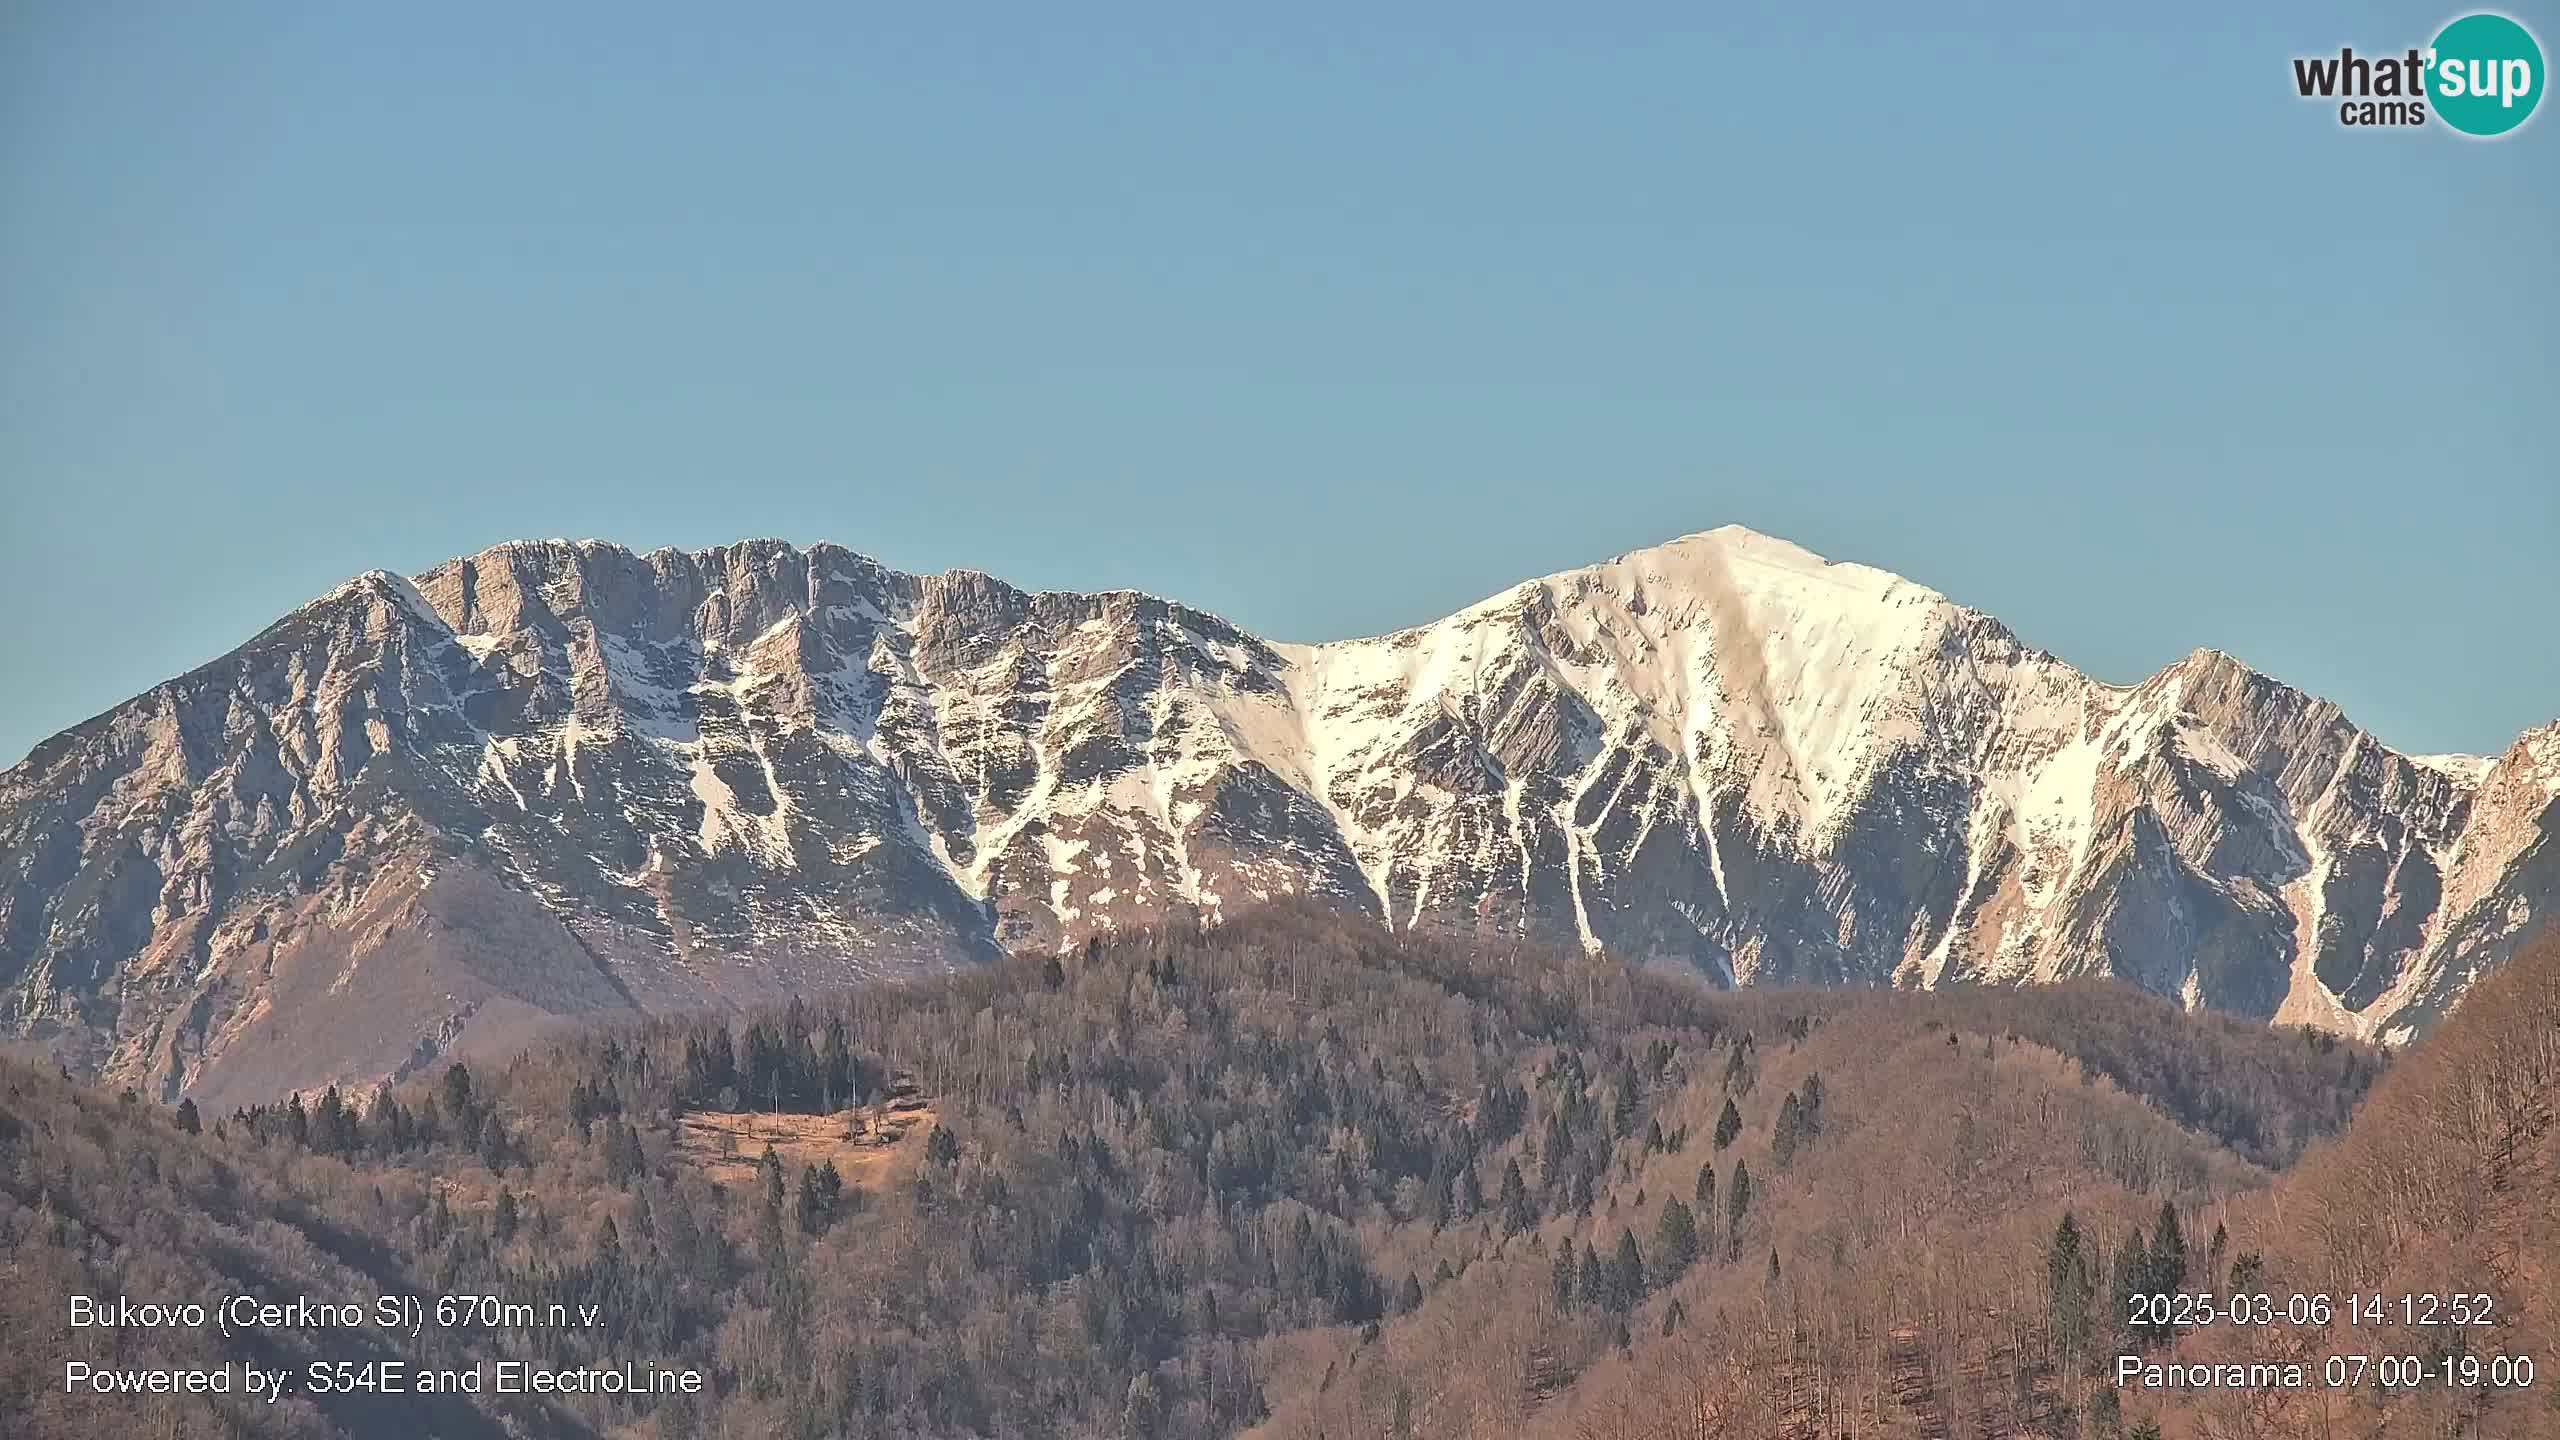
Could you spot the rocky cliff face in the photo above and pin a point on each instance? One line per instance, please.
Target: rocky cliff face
(564, 779)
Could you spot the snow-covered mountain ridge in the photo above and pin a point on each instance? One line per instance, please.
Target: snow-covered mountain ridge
(555, 779)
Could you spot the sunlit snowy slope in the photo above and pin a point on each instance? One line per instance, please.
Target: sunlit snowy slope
(563, 779)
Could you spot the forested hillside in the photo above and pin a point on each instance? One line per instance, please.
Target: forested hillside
(1291, 1176)
(2442, 1200)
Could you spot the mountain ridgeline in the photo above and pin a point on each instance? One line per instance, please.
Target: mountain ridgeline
(429, 816)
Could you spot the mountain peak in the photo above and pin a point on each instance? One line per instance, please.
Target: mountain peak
(688, 777)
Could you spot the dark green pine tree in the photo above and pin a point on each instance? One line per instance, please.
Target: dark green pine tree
(1728, 1124)
(1675, 1239)
(2168, 1251)
(821, 1191)
(1737, 1207)
(1593, 1284)
(1789, 1132)
(617, 1167)
(1564, 1274)
(327, 1119)
(496, 1146)
(1554, 1154)
(1704, 1197)
(2131, 1277)
(188, 1119)
(1518, 1213)
(2166, 1272)
(345, 1135)
(1440, 1194)
(608, 1251)
(1409, 1299)
(769, 1178)
(457, 1092)
(1622, 1113)
(2067, 1293)
(1626, 1273)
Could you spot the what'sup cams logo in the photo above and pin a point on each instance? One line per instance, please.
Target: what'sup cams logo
(2481, 75)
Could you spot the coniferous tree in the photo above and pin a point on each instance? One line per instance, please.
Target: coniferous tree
(2165, 1266)
(1626, 1273)
(188, 1119)
(608, 1251)
(1622, 1112)
(1563, 1274)
(771, 1250)
(1737, 1206)
(1704, 1197)
(1675, 1240)
(2131, 1277)
(1789, 1130)
(838, 1079)
(821, 1197)
(1555, 1155)
(2067, 1292)
(2168, 1272)
(1439, 1194)
(495, 1145)
(1593, 1283)
(1409, 1299)
(326, 1120)
(769, 1178)
(617, 1165)
(1728, 1124)
(1517, 1213)
(457, 1091)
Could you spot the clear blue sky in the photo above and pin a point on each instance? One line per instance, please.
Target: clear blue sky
(1326, 320)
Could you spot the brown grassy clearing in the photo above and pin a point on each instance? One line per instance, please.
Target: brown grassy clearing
(872, 1145)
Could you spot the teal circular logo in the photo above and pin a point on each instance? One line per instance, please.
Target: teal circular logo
(2484, 74)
